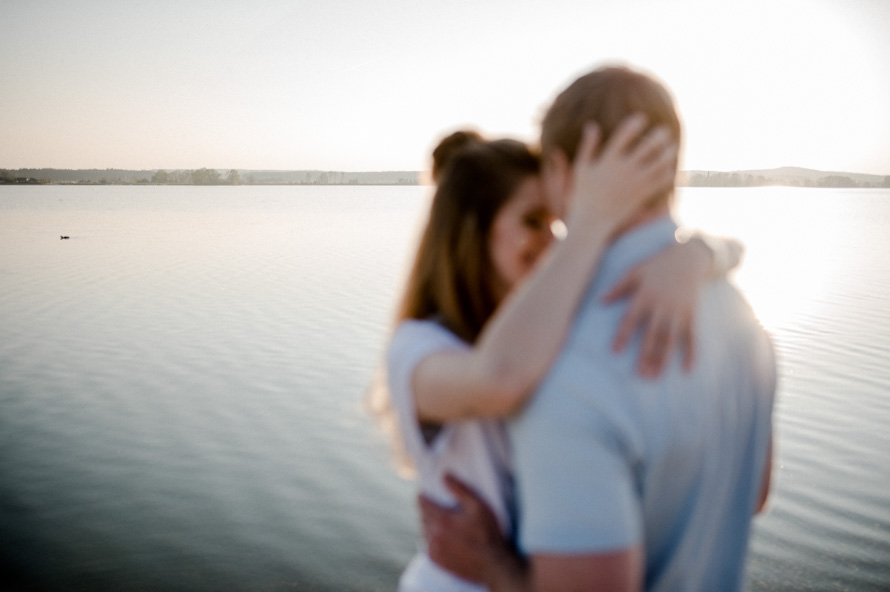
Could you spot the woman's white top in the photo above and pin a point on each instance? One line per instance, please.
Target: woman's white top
(475, 451)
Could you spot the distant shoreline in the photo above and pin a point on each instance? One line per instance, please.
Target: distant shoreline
(785, 176)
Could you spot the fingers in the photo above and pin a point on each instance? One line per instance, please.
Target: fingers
(633, 318)
(590, 141)
(440, 524)
(662, 336)
(627, 133)
(654, 146)
(623, 289)
(460, 490)
(430, 510)
(432, 516)
(657, 154)
(658, 342)
(665, 165)
(471, 504)
(459, 540)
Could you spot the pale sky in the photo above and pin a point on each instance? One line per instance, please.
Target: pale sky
(359, 86)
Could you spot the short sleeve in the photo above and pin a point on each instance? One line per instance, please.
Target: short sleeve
(412, 342)
(575, 466)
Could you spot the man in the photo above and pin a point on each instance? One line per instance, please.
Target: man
(626, 483)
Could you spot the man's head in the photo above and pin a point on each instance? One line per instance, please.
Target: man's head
(607, 96)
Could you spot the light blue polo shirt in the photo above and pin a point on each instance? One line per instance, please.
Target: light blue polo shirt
(607, 460)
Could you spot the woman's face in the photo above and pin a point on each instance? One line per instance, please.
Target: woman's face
(519, 234)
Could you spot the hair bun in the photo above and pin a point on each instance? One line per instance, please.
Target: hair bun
(451, 145)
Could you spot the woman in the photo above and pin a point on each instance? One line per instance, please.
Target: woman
(489, 302)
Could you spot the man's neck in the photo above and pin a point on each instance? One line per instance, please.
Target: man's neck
(645, 217)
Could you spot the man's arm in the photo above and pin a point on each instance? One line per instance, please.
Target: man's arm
(767, 478)
(467, 541)
(619, 571)
(766, 371)
(574, 460)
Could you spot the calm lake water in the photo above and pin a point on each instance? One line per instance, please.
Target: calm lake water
(181, 384)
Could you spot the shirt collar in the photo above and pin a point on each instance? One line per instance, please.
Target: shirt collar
(632, 247)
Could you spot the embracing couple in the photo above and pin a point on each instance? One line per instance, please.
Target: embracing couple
(587, 413)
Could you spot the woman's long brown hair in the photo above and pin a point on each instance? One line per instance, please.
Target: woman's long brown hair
(452, 278)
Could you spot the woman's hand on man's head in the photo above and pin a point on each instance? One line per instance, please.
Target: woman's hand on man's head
(612, 183)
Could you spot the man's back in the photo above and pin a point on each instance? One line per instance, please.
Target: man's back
(606, 460)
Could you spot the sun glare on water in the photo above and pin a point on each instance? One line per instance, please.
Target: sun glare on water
(785, 275)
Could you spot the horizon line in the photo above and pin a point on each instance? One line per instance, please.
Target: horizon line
(418, 171)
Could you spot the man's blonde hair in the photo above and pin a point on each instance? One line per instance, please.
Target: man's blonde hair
(606, 95)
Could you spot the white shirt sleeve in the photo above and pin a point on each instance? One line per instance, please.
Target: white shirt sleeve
(412, 342)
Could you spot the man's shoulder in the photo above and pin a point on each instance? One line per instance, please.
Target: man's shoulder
(590, 368)
(726, 314)
(587, 383)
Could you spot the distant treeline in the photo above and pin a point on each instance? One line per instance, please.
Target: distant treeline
(204, 176)
(715, 179)
(786, 176)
